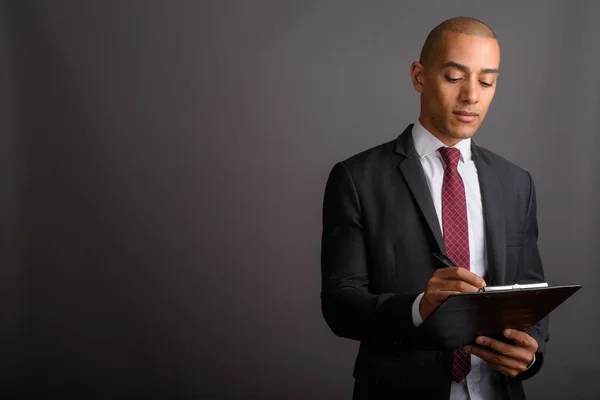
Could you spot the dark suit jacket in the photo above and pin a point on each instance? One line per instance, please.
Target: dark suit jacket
(379, 232)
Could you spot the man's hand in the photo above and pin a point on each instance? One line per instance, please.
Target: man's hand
(447, 281)
(509, 359)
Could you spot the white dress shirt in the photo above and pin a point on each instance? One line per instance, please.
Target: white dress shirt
(477, 385)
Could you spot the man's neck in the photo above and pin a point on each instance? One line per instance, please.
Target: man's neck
(447, 140)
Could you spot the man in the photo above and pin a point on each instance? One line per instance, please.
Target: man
(388, 209)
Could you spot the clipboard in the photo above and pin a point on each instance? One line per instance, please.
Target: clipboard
(464, 316)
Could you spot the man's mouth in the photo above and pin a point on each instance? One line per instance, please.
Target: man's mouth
(466, 116)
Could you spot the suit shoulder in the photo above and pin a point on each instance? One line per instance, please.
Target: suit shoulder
(503, 165)
(374, 156)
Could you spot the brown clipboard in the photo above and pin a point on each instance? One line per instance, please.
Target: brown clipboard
(462, 317)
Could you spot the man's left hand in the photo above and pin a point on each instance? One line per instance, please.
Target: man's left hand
(509, 359)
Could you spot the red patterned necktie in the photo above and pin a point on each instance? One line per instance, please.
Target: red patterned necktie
(456, 234)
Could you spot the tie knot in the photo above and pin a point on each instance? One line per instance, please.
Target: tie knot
(450, 155)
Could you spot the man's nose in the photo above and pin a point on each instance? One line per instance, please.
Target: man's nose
(470, 92)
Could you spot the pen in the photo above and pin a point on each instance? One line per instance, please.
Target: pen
(444, 259)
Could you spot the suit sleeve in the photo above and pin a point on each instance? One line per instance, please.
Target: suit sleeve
(348, 306)
(532, 271)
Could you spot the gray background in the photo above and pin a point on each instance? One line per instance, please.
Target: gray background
(162, 166)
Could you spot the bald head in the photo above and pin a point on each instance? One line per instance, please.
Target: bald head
(464, 25)
(456, 78)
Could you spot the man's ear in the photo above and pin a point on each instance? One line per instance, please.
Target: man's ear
(417, 74)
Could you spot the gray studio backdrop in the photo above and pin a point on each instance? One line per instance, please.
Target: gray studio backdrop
(163, 166)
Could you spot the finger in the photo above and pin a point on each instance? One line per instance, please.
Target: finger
(521, 339)
(452, 282)
(452, 285)
(509, 350)
(461, 274)
(506, 371)
(461, 286)
(470, 277)
(496, 359)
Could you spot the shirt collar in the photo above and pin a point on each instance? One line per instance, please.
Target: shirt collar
(426, 143)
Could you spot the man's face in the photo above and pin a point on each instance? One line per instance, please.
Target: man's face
(458, 87)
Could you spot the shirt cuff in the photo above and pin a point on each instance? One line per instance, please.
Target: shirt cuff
(416, 315)
(532, 362)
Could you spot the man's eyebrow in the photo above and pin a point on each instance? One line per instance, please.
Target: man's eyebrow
(464, 68)
(490, 71)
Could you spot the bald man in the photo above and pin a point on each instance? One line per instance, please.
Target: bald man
(388, 209)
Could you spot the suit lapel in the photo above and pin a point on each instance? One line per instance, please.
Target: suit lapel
(493, 214)
(411, 169)
(491, 197)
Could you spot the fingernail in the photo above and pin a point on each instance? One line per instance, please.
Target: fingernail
(480, 340)
(508, 332)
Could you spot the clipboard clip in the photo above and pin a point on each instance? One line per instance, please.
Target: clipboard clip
(516, 286)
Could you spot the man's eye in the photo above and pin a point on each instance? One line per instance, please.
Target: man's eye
(452, 80)
(485, 84)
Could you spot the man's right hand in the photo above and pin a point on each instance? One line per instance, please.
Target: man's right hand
(447, 281)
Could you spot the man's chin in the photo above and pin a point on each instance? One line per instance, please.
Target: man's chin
(462, 133)
(454, 132)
